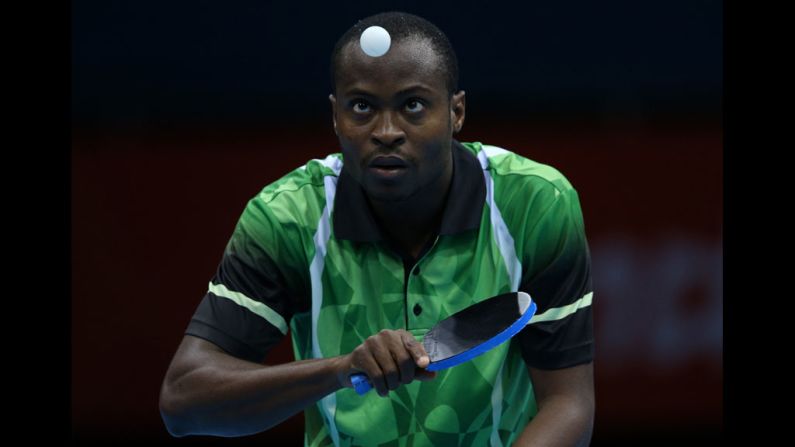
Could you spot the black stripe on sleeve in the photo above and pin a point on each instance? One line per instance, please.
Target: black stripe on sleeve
(246, 268)
(559, 344)
(563, 276)
(235, 329)
(567, 341)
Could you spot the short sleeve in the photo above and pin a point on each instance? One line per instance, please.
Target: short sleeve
(249, 303)
(559, 280)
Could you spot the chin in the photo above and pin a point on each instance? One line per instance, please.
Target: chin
(395, 190)
(387, 194)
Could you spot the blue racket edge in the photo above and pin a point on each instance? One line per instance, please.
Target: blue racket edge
(362, 384)
(486, 346)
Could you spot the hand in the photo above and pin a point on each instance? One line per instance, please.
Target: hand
(389, 359)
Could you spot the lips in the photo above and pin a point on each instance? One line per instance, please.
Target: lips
(388, 168)
(388, 162)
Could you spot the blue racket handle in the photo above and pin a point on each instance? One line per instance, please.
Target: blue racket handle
(361, 384)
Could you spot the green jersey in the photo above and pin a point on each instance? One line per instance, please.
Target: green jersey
(308, 257)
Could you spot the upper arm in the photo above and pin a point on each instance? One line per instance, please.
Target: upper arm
(191, 354)
(575, 384)
(565, 401)
(194, 358)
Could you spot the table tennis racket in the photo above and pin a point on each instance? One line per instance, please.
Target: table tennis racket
(470, 332)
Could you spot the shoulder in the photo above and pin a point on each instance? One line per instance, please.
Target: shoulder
(517, 177)
(310, 175)
(285, 214)
(300, 194)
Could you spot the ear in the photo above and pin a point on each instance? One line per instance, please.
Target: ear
(458, 110)
(333, 101)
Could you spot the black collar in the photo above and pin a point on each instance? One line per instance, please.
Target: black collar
(353, 219)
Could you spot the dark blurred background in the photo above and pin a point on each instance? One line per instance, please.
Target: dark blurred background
(182, 111)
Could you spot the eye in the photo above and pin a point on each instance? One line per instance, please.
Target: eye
(361, 107)
(414, 106)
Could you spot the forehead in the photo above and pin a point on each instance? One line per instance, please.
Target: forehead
(408, 62)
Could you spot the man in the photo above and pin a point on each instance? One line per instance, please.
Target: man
(360, 258)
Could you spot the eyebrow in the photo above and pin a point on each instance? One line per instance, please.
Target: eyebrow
(405, 91)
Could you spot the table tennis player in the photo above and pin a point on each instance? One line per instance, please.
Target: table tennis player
(358, 254)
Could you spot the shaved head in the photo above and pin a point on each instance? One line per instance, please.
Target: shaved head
(400, 26)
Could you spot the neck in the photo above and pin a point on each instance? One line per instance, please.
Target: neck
(413, 221)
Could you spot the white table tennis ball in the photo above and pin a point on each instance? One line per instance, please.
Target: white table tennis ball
(375, 41)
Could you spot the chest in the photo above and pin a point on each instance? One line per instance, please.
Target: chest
(366, 288)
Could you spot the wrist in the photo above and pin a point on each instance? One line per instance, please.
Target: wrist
(341, 365)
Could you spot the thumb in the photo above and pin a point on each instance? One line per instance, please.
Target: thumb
(417, 351)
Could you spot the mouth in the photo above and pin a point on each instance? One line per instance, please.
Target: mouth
(388, 162)
(388, 166)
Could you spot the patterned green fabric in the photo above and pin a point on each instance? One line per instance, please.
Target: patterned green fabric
(358, 290)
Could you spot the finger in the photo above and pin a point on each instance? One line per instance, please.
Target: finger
(367, 363)
(388, 377)
(405, 361)
(416, 349)
(388, 349)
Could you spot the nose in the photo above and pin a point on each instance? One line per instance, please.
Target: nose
(387, 132)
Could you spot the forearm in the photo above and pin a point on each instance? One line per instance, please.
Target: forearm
(561, 421)
(237, 398)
